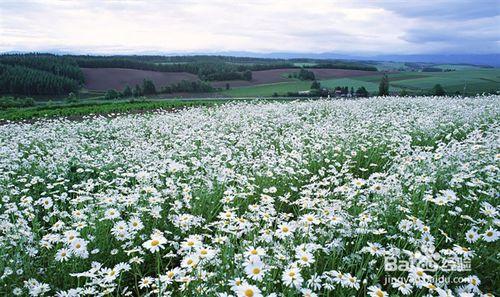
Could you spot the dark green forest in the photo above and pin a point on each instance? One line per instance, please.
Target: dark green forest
(58, 65)
(39, 74)
(20, 80)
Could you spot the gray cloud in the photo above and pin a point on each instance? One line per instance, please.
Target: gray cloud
(443, 9)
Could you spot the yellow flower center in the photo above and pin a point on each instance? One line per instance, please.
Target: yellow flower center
(248, 293)
(256, 270)
(155, 242)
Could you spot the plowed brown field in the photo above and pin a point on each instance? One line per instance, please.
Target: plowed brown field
(102, 79)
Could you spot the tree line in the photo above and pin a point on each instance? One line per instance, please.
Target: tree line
(39, 74)
(148, 88)
(22, 80)
(344, 65)
(247, 63)
(58, 65)
(304, 74)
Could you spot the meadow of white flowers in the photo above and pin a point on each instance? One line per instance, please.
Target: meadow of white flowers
(256, 199)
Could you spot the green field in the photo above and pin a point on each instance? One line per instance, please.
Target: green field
(100, 107)
(458, 66)
(387, 65)
(62, 109)
(477, 80)
(269, 89)
(304, 64)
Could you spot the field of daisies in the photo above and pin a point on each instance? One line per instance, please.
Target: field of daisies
(380, 197)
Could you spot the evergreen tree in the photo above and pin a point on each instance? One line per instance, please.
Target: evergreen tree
(361, 92)
(111, 94)
(315, 85)
(22, 80)
(306, 75)
(72, 98)
(247, 75)
(58, 65)
(383, 88)
(439, 90)
(137, 91)
(148, 87)
(127, 92)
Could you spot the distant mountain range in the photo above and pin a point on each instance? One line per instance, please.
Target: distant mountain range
(475, 59)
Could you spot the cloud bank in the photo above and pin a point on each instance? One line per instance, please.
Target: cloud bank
(360, 27)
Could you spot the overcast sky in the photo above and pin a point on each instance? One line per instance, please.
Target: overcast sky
(314, 26)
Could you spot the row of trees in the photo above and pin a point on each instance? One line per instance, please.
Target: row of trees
(22, 80)
(345, 65)
(58, 65)
(231, 75)
(303, 74)
(189, 87)
(242, 63)
(10, 102)
(148, 88)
